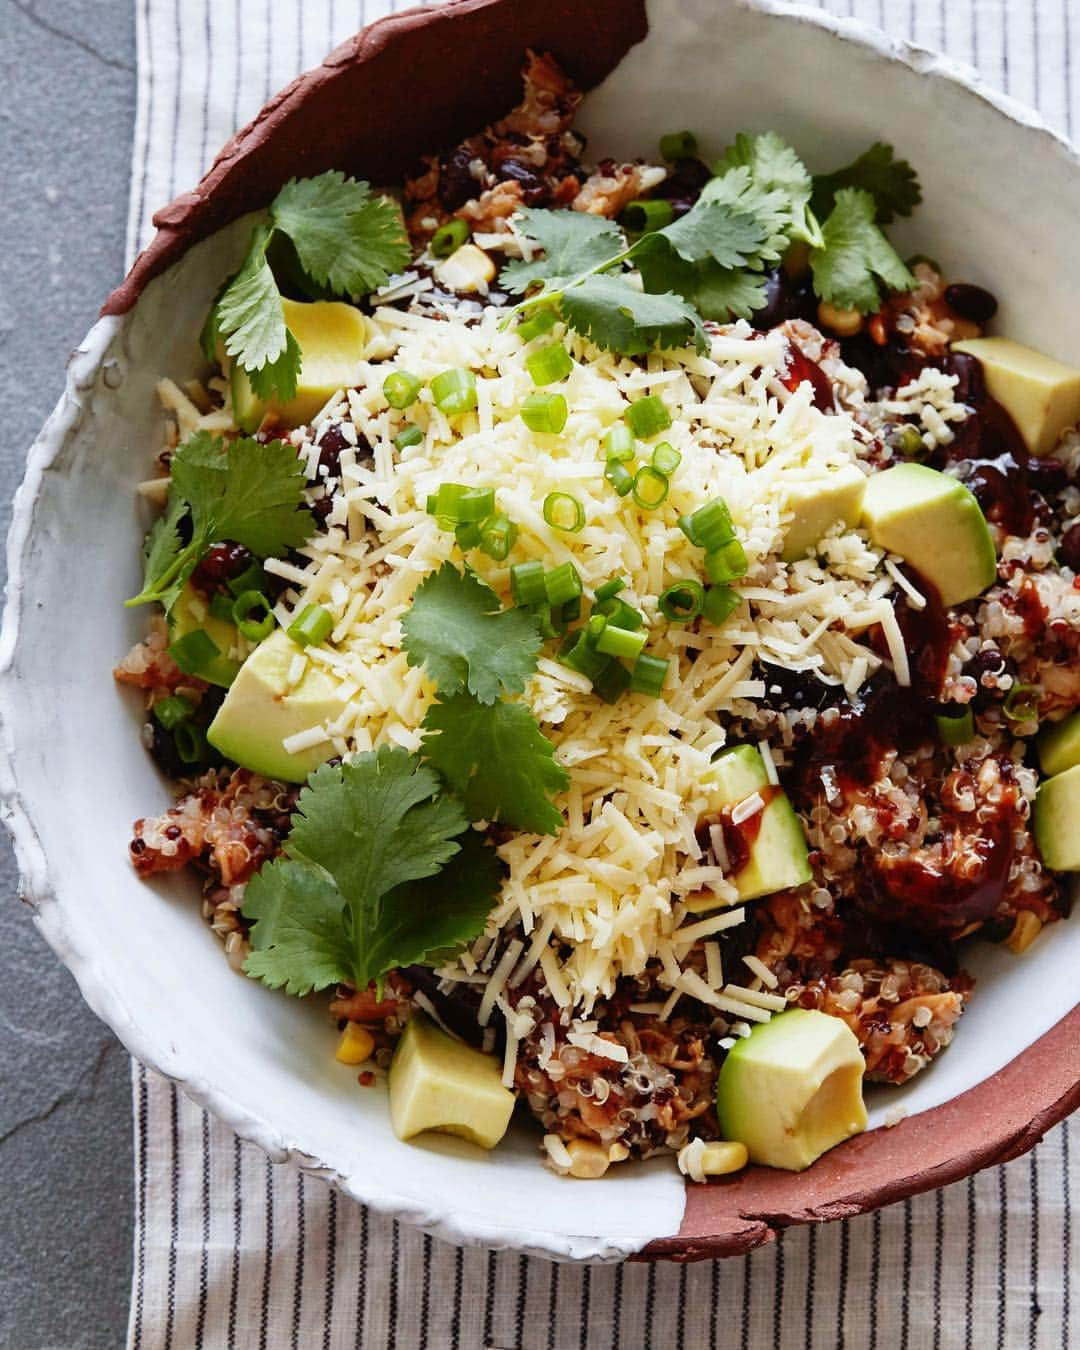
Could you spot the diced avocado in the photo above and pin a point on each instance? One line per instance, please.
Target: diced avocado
(261, 710)
(1041, 394)
(776, 845)
(1059, 745)
(818, 504)
(933, 522)
(792, 1089)
(192, 611)
(332, 338)
(436, 1083)
(1057, 820)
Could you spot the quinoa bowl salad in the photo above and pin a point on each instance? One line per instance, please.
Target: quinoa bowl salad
(608, 628)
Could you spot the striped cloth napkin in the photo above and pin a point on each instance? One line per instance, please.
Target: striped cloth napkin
(233, 1253)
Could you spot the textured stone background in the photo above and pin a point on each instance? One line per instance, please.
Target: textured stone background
(67, 102)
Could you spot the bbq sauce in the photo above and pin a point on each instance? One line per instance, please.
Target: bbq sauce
(800, 368)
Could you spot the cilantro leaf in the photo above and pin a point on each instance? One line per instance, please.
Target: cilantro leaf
(426, 918)
(249, 493)
(716, 292)
(775, 167)
(891, 182)
(618, 317)
(717, 230)
(855, 256)
(457, 629)
(345, 237)
(375, 877)
(497, 760)
(278, 378)
(770, 207)
(574, 243)
(249, 318)
(299, 940)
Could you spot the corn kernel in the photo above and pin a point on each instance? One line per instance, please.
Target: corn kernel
(842, 322)
(468, 268)
(356, 1045)
(618, 1153)
(1025, 930)
(718, 1159)
(587, 1160)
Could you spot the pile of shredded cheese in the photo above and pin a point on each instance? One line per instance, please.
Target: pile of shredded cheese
(614, 885)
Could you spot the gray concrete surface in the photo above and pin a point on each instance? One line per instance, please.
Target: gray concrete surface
(67, 101)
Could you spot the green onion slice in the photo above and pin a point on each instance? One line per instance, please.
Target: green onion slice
(527, 583)
(253, 629)
(678, 145)
(1022, 703)
(620, 642)
(448, 238)
(545, 413)
(610, 589)
(171, 711)
(955, 725)
(648, 416)
(409, 435)
(541, 320)
(455, 504)
(577, 654)
(562, 584)
(619, 443)
(682, 600)
(666, 459)
(709, 526)
(726, 563)
(619, 613)
(619, 476)
(612, 682)
(720, 603)
(644, 215)
(564, 512)
(549, 364)
(650, 488)
(498, 534)
(400, 389)
(454, 391)
(311, 626)
(190, 742)
(194, 652)
(648, 675)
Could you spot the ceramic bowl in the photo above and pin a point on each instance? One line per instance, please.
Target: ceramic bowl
(74, 774)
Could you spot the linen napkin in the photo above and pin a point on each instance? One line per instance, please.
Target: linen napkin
(233, 1252)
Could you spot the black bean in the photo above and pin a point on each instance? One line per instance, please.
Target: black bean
(1069, 548)
(534, 190)
(456, 183)
(777, 300)
(971, 383)
(971, 302)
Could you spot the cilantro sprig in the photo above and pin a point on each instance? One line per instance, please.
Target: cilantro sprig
(711, 263)
(491, 752)
(331, 236)
(243, 491)
(381, 871)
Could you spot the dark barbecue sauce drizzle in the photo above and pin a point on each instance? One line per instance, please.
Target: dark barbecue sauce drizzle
(738, 837)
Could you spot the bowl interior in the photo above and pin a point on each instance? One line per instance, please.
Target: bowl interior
(145, 959)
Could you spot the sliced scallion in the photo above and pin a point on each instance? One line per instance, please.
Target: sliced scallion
(709, 526)
(726, 563)
(527, 583)
(619, 613)
(955, 726)
(190, 742)
(666, 459)
(455, 504)
(1022, 703)
(541, 320)
(649, 214)
(619, 444)
(678, 145)
(610, 589)
(577, 654)
(620, 642)
(498, 534)
(243, 608)
(448, 238)
(454, 391)
(545, 413)
(550, 364)
(720, 603)
(311, 626)
(619, 476)
(682, 600)
(171, 711)
(648, 416)
(564, 512)
(194, 652)
(467, 535)
(650, 488)
(612, 682)
(400, 389)
(562, 584)
(409, 435)
(648, 675)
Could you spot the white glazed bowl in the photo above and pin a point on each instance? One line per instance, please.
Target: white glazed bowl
(75, 775)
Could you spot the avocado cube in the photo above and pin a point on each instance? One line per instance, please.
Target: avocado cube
(1059, 745)
(933, 522)
(260, 711)
(437, 1083)
(792, 1089)
(1057, 820)
(1041, 394)
(191, 611)
(818, 504)
(775, 843)
(332, 337)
